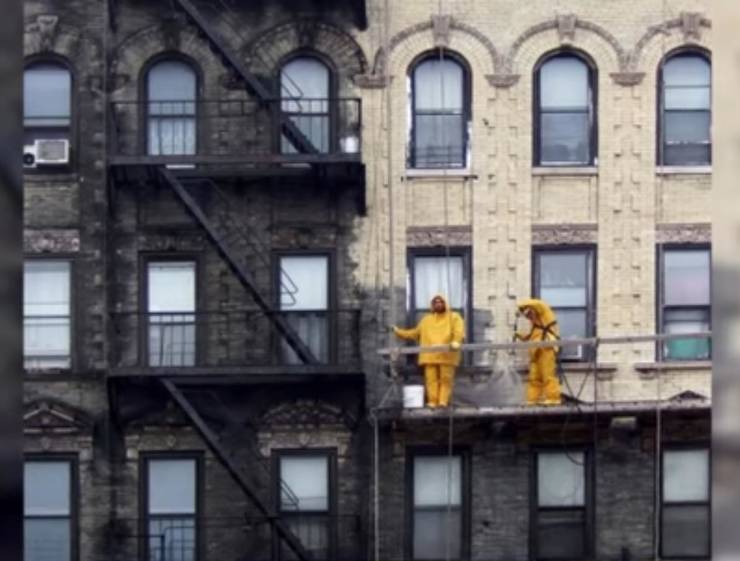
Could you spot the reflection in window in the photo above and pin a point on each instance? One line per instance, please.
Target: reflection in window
(440, 117)
(565, 112)
(686, 111)
(171, 96)
(304, 90)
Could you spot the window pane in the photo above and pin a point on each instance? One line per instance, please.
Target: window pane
(172, 81)
(686, 70)
(172, 340)
(560, 479)
(171, 136)
(314, 128)
(686, 277)
(438, 85)
(46, 288)
(304, 77)
(687, 155)
(437, 481)
(561, 534)
(304, 282)
(564, 83)
(171, 486)
(305, 483)
(171, 286)
(686, 531)
(686, 475)
(687, 126)
(313, 329)
(439, 140)
(565, 138)
(687, 98)
(46, 95)
(686, 321)
(172, 539)
(439, 275)
(313, 533)
(573, 325)
(432, 529)
(563, 278)
(46, 488)
(46, 539)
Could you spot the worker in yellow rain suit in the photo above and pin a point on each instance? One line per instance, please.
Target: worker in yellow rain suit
(441, 326)
(543, 386)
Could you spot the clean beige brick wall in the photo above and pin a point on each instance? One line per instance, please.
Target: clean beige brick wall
(624, 195)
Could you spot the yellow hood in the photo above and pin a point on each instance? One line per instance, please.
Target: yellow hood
(544, 314)
(431, 303)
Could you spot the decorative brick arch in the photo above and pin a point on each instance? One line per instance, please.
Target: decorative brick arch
(44, 34)
(689, 23)
(441, 28)
(171, 35)
(265, 53)
(566, 27)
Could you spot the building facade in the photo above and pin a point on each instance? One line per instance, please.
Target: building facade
(227, 204)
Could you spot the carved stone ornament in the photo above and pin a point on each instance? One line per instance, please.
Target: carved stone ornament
(371, 81)
(47, 416)
(47, 30)
(502, 80)
(627, 78)
(557, 234)
(306, 412)
(566, 27)
(441, 30)
(691, 25)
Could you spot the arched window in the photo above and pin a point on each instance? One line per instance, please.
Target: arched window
(47, 88)
(685, 110)
(440, 102)
(305, 92)
(171, 122)
(565, 110)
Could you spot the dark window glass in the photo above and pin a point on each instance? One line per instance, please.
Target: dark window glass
(560, 528)
(565, 112)
(563, 279)
(304, 299)
(437, 503)
(171, 96)
(686, 110)
(685, 302)
(440, 122)
(685, 513)
(304, 89)
(47, 533)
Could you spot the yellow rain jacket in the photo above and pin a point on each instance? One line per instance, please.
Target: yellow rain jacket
(437, 329)
(544, 326)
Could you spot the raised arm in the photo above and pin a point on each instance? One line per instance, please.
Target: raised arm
(411, 334)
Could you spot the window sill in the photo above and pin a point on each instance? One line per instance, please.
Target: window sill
(52, 176)
(565, 170)
(650, 368)
(463, 173)
(683, 170)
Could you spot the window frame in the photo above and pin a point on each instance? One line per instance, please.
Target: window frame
(466, 115)
(464, 252)
(332, 296)
(466, 496)
(74, 493)
(73, 340)
(55, 59)
(593, 109)
(591, 251)
(331, 455)
(589, 501)
(680, 447)
(170, 56)
(332, 100)
(661, 248)
(145, 259)
(144, 516)
(660, 104)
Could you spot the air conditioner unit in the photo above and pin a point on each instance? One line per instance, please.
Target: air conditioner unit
(29, 156)
(572, 352)
(52, 152)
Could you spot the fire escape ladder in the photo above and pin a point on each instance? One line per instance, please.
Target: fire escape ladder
(300, 142)
(229, 255)
(223, 456)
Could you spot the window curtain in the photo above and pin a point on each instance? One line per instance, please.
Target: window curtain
(46, 96)
(439, 275)
(46, 314)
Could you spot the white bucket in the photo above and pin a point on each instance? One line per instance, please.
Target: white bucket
(413, 397)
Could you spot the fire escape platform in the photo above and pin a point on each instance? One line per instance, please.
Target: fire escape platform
(247, 375)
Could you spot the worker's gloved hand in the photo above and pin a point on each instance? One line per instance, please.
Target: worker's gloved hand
(455, 346)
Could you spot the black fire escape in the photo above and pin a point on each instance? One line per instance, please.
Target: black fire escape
(239, 154)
